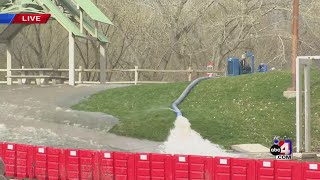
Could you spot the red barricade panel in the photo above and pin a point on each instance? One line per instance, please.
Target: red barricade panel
(1, 150)
(22, 160)
(62, 165)
(288, 170)
(106, 161)
(86, 164)
(143, 166)
(265, 169)
(222, 168)
(180, 167)
(201, 167)
(30, 162)
(9, 154)
(72, 164)
(311, 171)
(53, 156)
(123, 166)
(96, 165)
(40, 163)
(243, 169)
(161, 167)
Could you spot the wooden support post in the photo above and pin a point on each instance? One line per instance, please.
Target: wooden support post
(307, 108)
(43, 80)
(21, 80)
(136, 75)
(189, 75)
(80, 74)
(71, 59)
(103, 63)
(9, 63)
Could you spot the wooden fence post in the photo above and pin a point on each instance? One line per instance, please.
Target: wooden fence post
(80, 75)
(136, 75)
(190, 74)
(20, 81)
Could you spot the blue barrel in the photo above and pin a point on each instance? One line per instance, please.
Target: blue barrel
(263, 68)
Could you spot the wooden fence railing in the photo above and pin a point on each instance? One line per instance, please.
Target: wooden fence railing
(136, 72)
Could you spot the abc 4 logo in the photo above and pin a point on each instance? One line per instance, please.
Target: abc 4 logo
(282, 147)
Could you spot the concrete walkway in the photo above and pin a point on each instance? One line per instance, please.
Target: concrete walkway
(41, 116)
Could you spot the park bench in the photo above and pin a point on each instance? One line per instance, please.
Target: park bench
(40, 76)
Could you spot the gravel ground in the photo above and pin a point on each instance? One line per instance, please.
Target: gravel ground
(40, 115)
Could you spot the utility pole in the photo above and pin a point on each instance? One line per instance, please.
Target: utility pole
(295, 40)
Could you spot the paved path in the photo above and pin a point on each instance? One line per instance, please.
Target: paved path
(41, 116)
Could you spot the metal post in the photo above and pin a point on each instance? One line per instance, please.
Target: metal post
(307, 108)
(81, 20)
(71, 59)
(298, 107)
(295, 39)
(103, 63)
(80, 74)
(136, 75)
(9, 63)
(190, 75)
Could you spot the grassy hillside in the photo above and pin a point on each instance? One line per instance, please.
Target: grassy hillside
(232, 110)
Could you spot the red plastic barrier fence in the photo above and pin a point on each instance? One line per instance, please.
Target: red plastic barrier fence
(311, 171)
(25, 161)
(72, 164)
(39, 168)
(9, 158)
(142, 166)
(161, 167)
(53, 160)
(288, 170)
(265, 169)
(106, 164)
(201, 167)
(124, 166)
(180, 167)
(243, 169)
(89, 165)
(222, 168)
(22, 160)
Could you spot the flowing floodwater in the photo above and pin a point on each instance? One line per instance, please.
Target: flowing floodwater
(183, 140)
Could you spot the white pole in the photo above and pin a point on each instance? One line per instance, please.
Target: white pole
(190, 75)
(307, 108)
(298, 106)
(136, 75)
(9, 63)
(71, 60)
(103, 63)
(80, 74)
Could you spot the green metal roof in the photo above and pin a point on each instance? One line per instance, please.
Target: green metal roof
(4, 2)
(93, 11)
(90, 15)
(61, 18)
(87, 24)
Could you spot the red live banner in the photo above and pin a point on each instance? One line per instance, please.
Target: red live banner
(31, 18)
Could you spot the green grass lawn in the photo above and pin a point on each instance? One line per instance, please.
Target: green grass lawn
(232, 110)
